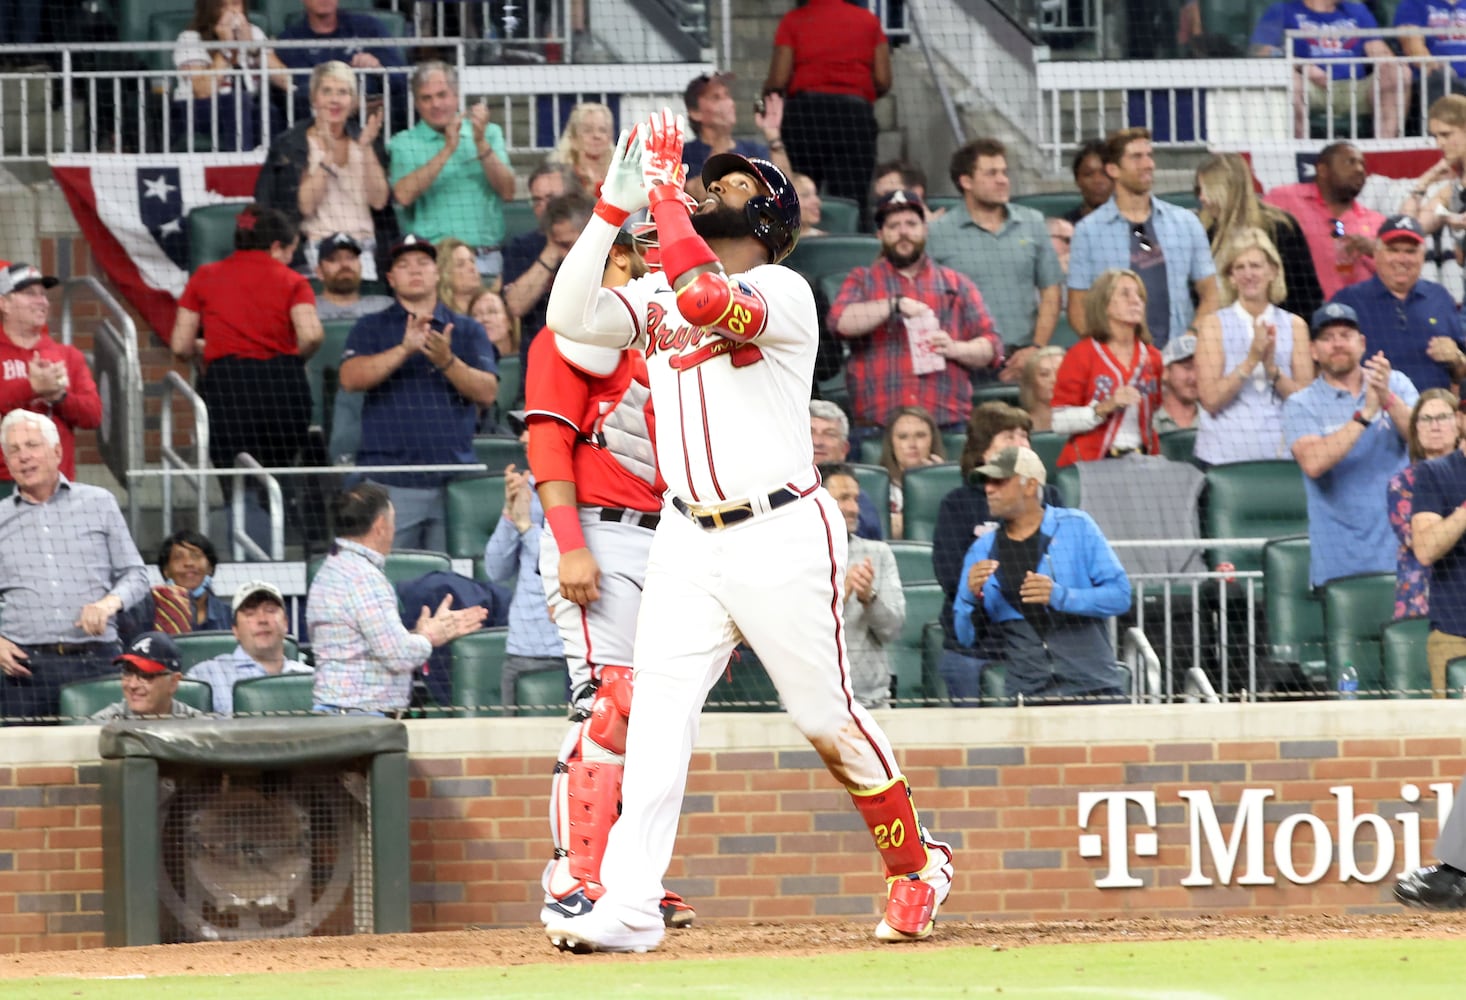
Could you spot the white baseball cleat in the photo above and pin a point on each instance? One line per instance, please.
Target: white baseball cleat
(599, 931)
(912, 901)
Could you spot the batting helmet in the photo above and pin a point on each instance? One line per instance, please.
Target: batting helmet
(775, 216)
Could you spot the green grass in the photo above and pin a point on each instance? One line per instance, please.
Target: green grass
(1174, 970)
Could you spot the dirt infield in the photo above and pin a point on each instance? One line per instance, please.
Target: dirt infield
(727, 939)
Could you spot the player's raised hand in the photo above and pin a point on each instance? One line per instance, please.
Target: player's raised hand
(624, 188)
(663, 152)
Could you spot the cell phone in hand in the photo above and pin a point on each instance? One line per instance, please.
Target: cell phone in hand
(759, 105)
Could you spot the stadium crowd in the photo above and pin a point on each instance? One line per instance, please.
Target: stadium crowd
(1315, 326)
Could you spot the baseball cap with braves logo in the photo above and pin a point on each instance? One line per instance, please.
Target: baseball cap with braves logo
(337, 241)
(414, 243)
(21, 276)
(1335, 313)
(1401, 227)
(151, 654)
(898, 201)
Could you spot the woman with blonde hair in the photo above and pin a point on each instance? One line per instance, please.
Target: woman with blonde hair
(1229, 203)
(1250, 356)
(586, 144)
(1036, 385)
(1109, 384)
(344, 182)
(489, 308)
(459, 282)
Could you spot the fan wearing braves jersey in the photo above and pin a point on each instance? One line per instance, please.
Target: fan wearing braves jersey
(590, 449)
(750, 546)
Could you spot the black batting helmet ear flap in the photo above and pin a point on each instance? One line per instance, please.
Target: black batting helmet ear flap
(775, 216)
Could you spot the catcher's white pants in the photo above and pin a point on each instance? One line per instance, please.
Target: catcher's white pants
(777, 580)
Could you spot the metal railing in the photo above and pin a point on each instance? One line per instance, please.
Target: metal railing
(117, 369)
(196, 474)
(243, 546)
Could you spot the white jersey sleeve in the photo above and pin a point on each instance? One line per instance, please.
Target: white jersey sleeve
(792, 317)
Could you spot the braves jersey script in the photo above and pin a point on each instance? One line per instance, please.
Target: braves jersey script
(612, 417)
(733, 418)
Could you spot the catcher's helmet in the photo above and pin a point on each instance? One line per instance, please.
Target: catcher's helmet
(775, 216)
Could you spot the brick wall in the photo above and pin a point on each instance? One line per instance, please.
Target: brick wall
(766, 835)
(50, 857)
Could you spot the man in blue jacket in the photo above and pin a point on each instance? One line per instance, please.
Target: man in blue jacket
(1048, 581)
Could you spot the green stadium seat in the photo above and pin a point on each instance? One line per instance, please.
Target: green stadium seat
(1355, 610)
(875, 483)
(995, 392)
(473, 508)
(1186, 199)
(1294, 612)
(993, 685)
(944, 202)
(81, 699)
(1047, 445)
(1066, 481)
(1178, 445)
(510, 383)
(835, 390)
(1065, 335)
(541, 692)
(322, 371)
(211, 233)
(830, 255)
(478, 667)
(498, 450)
(519, 218)
(1407, 671)
(1253, 500)
(922, 491)
(402, 564)
(870, 450)
(923, 606)
(1052, 204)
(1231, 22)
(829, 285)
(743, 687)
(932, 639)
(913, 561)
(952, 443)
(1456, 677)
(292, 694)
(196, 647)
(839, 215)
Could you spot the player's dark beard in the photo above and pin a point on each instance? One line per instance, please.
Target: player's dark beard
(722, 223)
(904, 260)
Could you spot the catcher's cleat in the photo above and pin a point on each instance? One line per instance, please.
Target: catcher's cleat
(599, 931)
(577, 904)
(1436, 887)
(676, 912)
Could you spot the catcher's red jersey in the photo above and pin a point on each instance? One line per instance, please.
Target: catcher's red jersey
(613, 461)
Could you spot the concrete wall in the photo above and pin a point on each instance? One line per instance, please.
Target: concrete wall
(765, 834)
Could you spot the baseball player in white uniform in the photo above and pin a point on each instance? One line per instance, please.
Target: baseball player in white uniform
(590, 447)
(749, 544)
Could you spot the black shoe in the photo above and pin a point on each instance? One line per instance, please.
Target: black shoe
(1437, 887)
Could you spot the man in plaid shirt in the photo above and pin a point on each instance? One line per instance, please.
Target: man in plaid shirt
(364, 655)
(916, 329)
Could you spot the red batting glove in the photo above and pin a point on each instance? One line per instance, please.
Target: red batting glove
(662, 162)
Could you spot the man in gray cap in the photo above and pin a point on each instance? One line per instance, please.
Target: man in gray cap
(338, 265)
(1179, 388)
(1047, 602)
(260, 626)
(1347, 431)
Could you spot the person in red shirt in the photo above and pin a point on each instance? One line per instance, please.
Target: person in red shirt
(259, 323)
(1109, 384)
(36, 373)
(831, 62)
